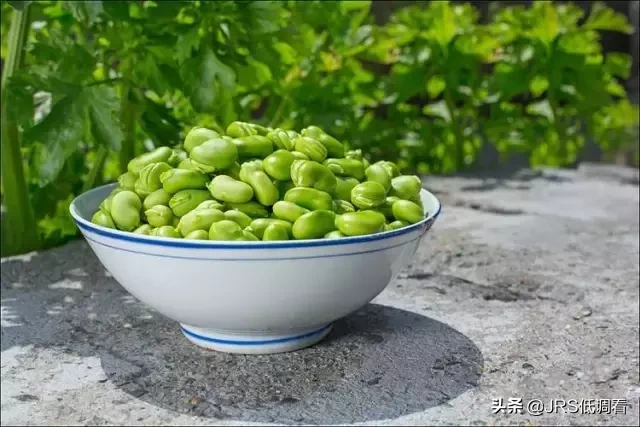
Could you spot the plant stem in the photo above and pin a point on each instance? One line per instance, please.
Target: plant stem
(127, 151)
(448, 99)
(277, 116)
(22, 234)
(101, 156)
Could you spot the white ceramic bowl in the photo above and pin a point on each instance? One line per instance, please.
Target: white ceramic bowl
(252, 297)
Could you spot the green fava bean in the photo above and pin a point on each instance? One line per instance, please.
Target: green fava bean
(418, 201)
(188, 165)
(240, 218)
(198, 235)
(249, 235)
(307, 173)
(240, 129)
(125, 210)
(210, 204)
(187, 200)
(252, 209)
(379, 174)
(288, 211)
(158, 197)
(312, 148)
(127, 181)
(342, 206)
(233, 171)
(175, 180)
(346, 167)
(214, 155)
(227, 189)
(166, 231)
(160, 154)
(260, 225)
(264, 189)
(275, 232)
(198, 136)
(335, 234)
(396, 225)
(199, 219)
(143, 229)
(105, 205)
(309, 198)
(360, 223)
(281, 139)
(103, 218)
(177, 157)
(405, 186)
(404, 210)
(333, 146)
(300, 156)
(354, 154)
(390, 167)
(159, 215)
(278, 165)
(253, 146)
(368, 195)
(149, 178)
(344, 187)
(387, 207)
(314, 225)
(226, 230)
(175, 221)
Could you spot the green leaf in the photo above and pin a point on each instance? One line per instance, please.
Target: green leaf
(604, 18)
(104, 108)
(86, 11)
(20, 97)
(438, 109)
(435, 85)
(349, 6)
(444, 26)
(287, 53)
(538, 85)
(580, 42)
(187, 43)
(60, 131)
(546, 24)
(209, 81)
(19, 5)
(541, 108)
(616, 89)
(618, 64)
(147, 73)
(254, 74)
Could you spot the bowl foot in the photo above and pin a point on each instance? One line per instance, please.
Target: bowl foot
(254, 342)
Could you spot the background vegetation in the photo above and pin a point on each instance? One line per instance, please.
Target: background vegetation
(86, 86)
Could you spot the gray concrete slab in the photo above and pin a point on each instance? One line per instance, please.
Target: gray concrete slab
(527, 288)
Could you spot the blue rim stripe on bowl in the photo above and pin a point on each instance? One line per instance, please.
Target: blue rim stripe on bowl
(210, 244)
(256, 342)
(251, 259)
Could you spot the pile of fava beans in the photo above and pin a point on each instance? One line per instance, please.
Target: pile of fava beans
(257, 183)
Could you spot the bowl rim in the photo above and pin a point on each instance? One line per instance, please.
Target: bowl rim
(169, 242)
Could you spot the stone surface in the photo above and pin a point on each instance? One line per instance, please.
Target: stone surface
(527, 287)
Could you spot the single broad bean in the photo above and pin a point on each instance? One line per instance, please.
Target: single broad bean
(288, 211)
(240, 129)
(379, 174)
(278, 165)
(186, 200)
(248, 235)
(226, 230)
(177, 157)
(309, 198)
(354, 154)
(312, 148)
(175, 180)
(275, 232)
(252, 209)
(387, 207)
(404, 210)
(307, 173)
(214, 155)
(210, 204)
(103, 218)
(396, 225)
(159, 215)
(188, 165)
(264, 189)
(342, 206)
(198, 136)
(333, 146)
(158, 197)
(346, 167)
(227, 189)
(240, 218)
(125, 210)
(166, 231)
(300, 156)
(418, 201)
(198, 235)
(314, 225)
(160, 154)
(281, 139)
(292, 134)
(149, 179)
(260, 225)
(366, 163)
(368, 195)
(199, 220)
(344, 187)
(105, 205)
(127, 180)
(361, 223)
(405, 186)
(335, 234)
(391, 167)
(143, 229)
(253, 146)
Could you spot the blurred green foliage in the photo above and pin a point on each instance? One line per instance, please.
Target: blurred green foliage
(103, 81)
